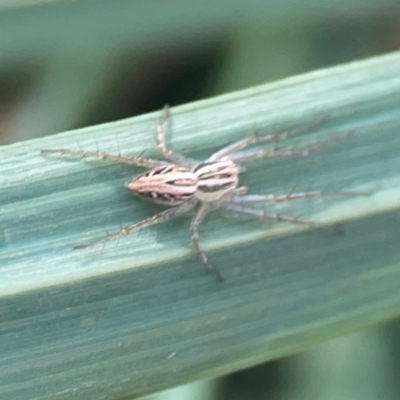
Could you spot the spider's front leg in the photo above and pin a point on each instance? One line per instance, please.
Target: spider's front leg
(275, 199)
(155, 219)
(168, 154)
(244, 156)
(278, 135)
(239, 202)
(240, 209)
(196, 221)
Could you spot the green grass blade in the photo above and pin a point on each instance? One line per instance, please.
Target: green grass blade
(141, 315)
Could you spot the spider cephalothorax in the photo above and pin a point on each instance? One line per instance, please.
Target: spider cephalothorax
(183, 183)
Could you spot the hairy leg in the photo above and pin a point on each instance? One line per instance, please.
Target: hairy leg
(302, 152)
(271, 198)
(176, 158)
(255, 139)
(196, 221)
(137, 161)
(155, 219)
(263, 216)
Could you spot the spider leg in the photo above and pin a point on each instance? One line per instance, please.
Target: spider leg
(176, 158)
(137, 161)
(155, 219)
(302, 152)
(196, 221)
(255, 139)
(259, 214)
(275, 199)
(240, 191)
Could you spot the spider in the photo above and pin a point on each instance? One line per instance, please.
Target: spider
(183, 183)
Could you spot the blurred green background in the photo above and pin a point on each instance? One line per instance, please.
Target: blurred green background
(68, 64)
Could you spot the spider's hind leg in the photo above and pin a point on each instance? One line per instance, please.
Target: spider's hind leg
(99, 155)
(155, 219)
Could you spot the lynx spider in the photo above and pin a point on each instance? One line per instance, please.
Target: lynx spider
(182, 183)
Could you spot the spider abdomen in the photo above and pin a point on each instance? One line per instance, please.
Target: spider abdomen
(169, 185)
